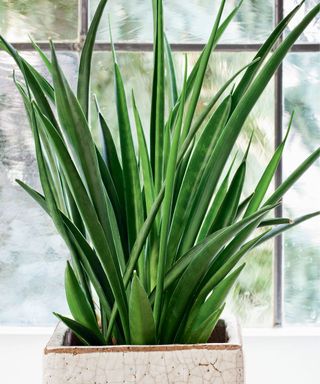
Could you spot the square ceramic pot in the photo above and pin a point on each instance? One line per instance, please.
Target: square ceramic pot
(220, 361)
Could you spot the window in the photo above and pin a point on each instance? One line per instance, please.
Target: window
(280, 282)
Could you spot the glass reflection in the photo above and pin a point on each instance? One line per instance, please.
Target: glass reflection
(185, 22)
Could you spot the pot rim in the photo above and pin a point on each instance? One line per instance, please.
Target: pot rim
(56, 343)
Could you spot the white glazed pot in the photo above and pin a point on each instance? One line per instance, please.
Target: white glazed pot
(213, 363)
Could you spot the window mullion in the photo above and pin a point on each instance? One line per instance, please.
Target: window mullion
(83, 19)
(278, 246)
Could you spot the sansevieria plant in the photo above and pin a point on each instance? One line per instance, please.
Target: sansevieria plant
(156, 233)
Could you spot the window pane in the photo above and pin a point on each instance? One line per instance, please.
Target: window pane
(186, 22)
(32, 256)
(312, 32)
(42, 19)
(252, 299)
(302, 244)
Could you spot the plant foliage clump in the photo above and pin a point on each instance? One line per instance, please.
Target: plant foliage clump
(156, 236)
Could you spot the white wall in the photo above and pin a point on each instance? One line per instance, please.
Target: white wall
(272, 356)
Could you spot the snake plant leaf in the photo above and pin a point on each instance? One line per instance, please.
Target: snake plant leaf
(42, 55)
(231, 132)
(229, 206)
(275, 221)
(193, 75)
(87, 256)
(92, 266)
(131, 182)
(243, 205)
(78, 303)
(283, 228)
(52, 205)
(214, 209)
(167, 204)
(262, 55)
(201, 118)
(157, 121)
(110, 155)
(203, 307)
(196, 269)
(201, 334)
(171, 73)
(34, 78)
(196, 167)
(82, 332)
(144, 156)
(267, 176)
(92, 223)
(295, 175)
(112, 192)
(215, 205)
(53, 172)
(83, 88)
(181, 170)
(201, 72)
(220, 31)
(218, 295)
(142, 325)
(217, 275)
(77, 132)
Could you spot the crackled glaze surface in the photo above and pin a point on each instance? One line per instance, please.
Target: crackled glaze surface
(203, 364)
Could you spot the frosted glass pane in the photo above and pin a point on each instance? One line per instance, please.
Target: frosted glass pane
(42, 19)
(252, 298)
(188, 21)
(302, 244)
(32, 256)
(312, 32)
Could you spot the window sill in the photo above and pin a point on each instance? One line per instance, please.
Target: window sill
(275, 355)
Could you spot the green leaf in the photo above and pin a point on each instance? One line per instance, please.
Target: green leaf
(42, 55)
(282, 228)
(137, 248)
(195, 270)
(38, 84)
(262, 55)
(275, 221)
(171, 73)
(215, 205)
(131, 182)
(229, 207)
(243, 205)
(214, 276)
(158, 100)
(231, 131)
(216, 281)
(110, 155)
(267, 176)
(142, 325)
(195, 170)
(83, 333)
(201, 312)
(78, 303)
(88, 258)
(203, 115)
(167, 204)
(201, 72)
(92, 223)
(116, 205)
(295, 175)
(202, 333)
(83, 91)
(144, 156)
(76, 129)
